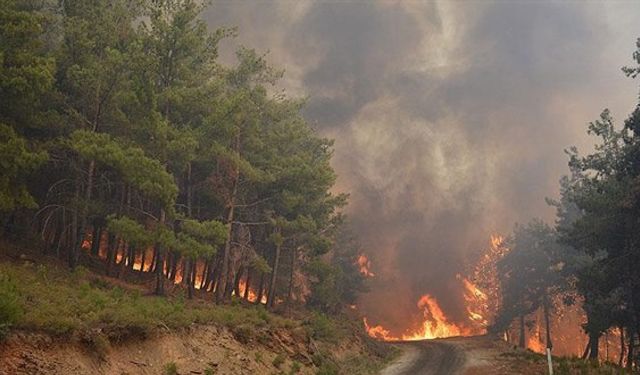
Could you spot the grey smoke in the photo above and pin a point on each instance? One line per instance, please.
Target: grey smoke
(449, 117)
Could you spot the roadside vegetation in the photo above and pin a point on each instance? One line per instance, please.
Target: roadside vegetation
(50, 299)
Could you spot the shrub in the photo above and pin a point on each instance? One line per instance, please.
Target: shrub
(295, 368)
(327, 368)
(278, 360)
(10, 309)
(259, 357)
(170, 369)
(243, 333)
(323, 328)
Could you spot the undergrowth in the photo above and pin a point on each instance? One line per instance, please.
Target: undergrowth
(53, 300)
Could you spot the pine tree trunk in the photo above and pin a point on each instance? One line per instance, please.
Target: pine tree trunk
(73, 249)
(236, 281)
(291, 276)
(154, 259)
(630, 352)
(132, 257)
(160, 262)
(622, 347)
(187, 276)
(194, 273)
(585, 354)
(229, 284)
(143, 259)
(260, 290)
(545, 307)
(247, 285)
(111, 252)
(214, 271)
(594, 340)
(223, 278)
(57, 236)
(522, 343)
(85, 213)
(223, 275)
(205, 275)
(95, 240)
(274, 277)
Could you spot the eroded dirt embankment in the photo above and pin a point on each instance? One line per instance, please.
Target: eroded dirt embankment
(193, 351)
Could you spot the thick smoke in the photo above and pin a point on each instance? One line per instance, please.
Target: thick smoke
(449, 118)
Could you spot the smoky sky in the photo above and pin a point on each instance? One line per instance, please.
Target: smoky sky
(450, 118)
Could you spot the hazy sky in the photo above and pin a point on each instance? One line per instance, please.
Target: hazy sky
(450, 118)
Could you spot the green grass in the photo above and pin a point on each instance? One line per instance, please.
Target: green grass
(323, 328)
(10, 309)
(59, 302)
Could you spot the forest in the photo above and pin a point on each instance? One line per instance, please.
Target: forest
(589, 257)
(132, 151)
(129, 149)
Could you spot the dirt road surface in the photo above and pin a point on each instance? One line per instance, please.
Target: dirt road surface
(480, 355)
(430, 357)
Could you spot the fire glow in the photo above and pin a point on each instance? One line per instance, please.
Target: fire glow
(365, 266)
(435, 323)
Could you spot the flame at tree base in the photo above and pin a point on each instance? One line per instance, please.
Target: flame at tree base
(435, 325)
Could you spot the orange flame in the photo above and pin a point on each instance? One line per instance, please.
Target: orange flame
(434, 325)
(476, 301)
(365, 265)
(534, 342)
(251, 296)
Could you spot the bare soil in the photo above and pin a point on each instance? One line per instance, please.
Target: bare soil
(192, 350)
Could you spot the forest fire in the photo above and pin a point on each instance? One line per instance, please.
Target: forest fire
(251, 295)
(476, 301)
(435, 323)
(365, 266)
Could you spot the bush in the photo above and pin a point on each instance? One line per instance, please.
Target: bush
(10, 309)
(278, 360)
(295, 368)
(170, 369)
(323, 328)
(259, 357)
(327, 368)
(244, 333)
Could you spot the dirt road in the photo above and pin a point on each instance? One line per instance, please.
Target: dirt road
(431, 357)
(479, 355)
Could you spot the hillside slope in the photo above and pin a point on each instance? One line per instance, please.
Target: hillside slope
(82, 323)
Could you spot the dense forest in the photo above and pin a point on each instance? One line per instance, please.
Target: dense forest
(128, 148)
(590, 255)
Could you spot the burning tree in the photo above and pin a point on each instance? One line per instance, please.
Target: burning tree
(530, 276)
(485, 277)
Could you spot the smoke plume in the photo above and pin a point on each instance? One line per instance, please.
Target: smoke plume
(450, 118)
